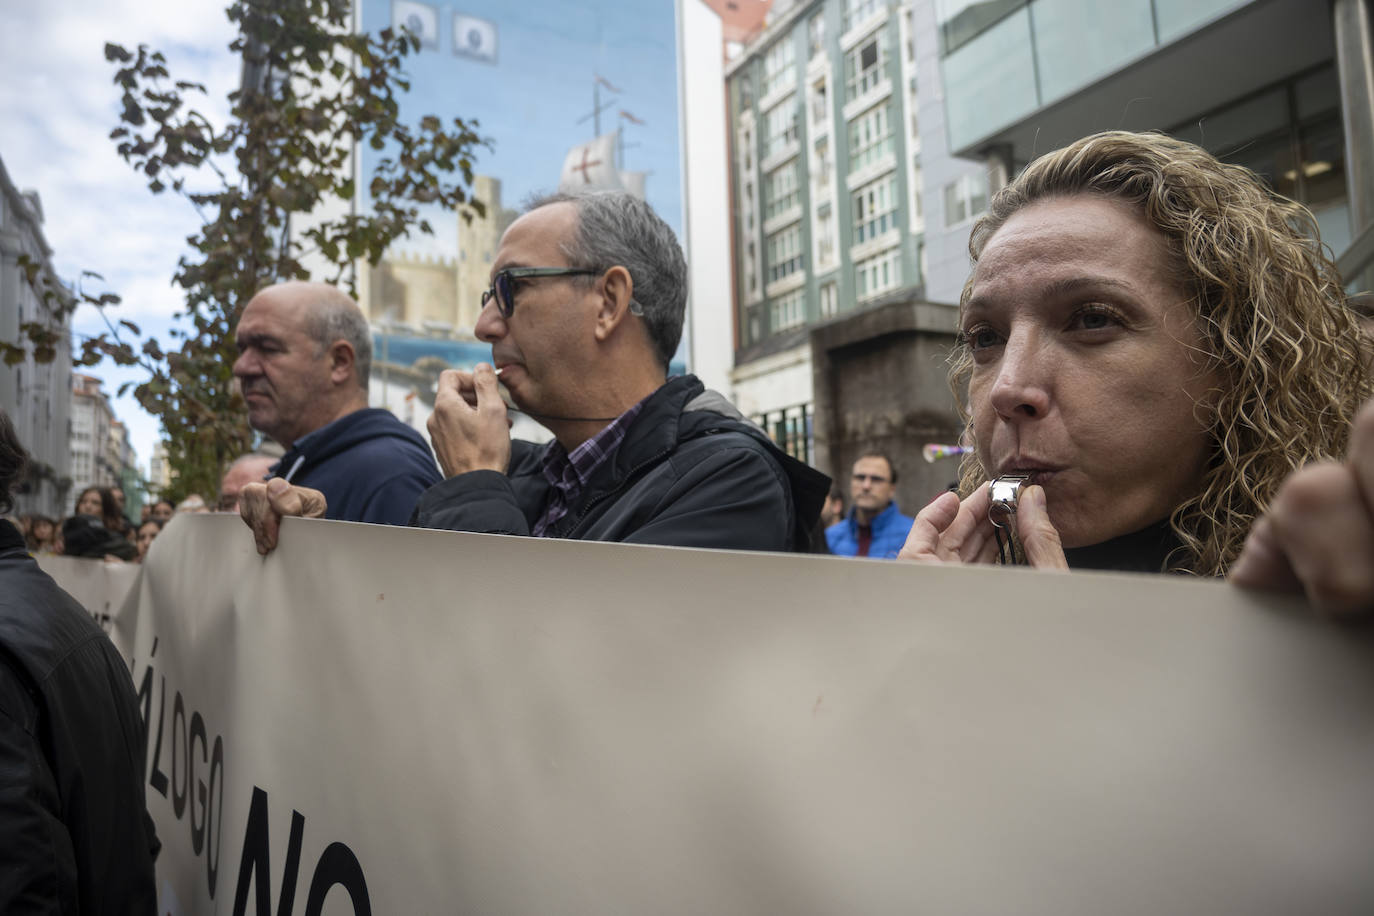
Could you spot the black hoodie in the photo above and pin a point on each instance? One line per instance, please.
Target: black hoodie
(369, 465)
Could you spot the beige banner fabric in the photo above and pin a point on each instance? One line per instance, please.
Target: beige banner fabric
(382, 720)
(101, 586)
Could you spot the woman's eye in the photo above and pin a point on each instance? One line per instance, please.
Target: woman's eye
(982, 338)
(1095, 318)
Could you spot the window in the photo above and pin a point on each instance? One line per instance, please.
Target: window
(918, 218)
(879, 274)
(783, 193)
(875, 209)
(789, 310)
(820, 107)
(966, 198)
(821, 163)
(782, 125)
(830, 300)
(963, 20)
(857, 11)
(870, 138)
(779, 68)
(863, 67)
(784, 253)
(825, 236)
(815, 33)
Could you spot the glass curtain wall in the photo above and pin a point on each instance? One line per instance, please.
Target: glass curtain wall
(1003, 59)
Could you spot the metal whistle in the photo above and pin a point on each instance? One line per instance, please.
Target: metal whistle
(1004, 492)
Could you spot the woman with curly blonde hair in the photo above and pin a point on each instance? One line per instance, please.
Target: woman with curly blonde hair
(1156, 340)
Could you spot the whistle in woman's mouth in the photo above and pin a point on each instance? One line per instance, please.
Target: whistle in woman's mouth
(1003, 492)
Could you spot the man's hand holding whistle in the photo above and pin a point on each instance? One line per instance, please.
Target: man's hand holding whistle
(470, 429)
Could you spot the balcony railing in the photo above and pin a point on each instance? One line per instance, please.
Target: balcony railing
(790, 430)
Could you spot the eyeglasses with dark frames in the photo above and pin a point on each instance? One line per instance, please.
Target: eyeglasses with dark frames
(503, 284)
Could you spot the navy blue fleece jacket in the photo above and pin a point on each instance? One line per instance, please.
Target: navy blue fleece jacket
(369, 465)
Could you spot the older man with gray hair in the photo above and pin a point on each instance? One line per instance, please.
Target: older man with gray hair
(586, 306)
(305, 352)
(587, 300)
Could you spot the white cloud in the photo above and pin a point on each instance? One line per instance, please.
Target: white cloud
(58, 105)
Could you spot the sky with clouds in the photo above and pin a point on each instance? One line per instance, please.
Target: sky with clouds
(58, 105)
(57, 108)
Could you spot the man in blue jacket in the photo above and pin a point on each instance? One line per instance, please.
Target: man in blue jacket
(874, 527)
(305, 352)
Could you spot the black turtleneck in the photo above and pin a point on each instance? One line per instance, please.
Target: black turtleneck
(1145, 550)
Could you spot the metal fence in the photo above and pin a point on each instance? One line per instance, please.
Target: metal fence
(790, 428)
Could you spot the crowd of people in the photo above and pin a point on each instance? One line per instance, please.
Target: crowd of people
(1153, 347)
(99, 527)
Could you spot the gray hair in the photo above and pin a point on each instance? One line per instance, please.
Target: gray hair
(334, 316)
(618, 229)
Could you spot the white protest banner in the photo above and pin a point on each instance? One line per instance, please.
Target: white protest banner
(404, 721)
(101, 587)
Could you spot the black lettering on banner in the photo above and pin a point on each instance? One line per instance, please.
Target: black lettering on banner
(158, 779)
(255, 865)
(200, 799)
(213, 835)
(206, 800)
(179, 773)
(337, 866)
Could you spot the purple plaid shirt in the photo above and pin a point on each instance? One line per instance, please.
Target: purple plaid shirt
(568, 472)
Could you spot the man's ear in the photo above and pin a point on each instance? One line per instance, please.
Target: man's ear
(342, 368)
(618, 290)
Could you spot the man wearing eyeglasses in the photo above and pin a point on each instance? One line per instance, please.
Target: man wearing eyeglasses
(874, 527)
(584, 313)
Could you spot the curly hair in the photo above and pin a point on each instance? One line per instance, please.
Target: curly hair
(1268, 304)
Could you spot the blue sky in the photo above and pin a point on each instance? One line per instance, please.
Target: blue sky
(529, 103)
(57, 107)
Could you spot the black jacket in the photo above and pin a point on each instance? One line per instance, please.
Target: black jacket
(369, 465)
(692, 472)
(87, 536)
(74, 834)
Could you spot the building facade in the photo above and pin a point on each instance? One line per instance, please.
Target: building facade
(34, 394)
(160, 472)
(101, 455)
(831, 181)
(1261, 83)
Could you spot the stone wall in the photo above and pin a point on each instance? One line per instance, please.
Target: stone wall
(880, 385)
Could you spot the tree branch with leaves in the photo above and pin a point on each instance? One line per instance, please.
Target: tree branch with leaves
(317, 92)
